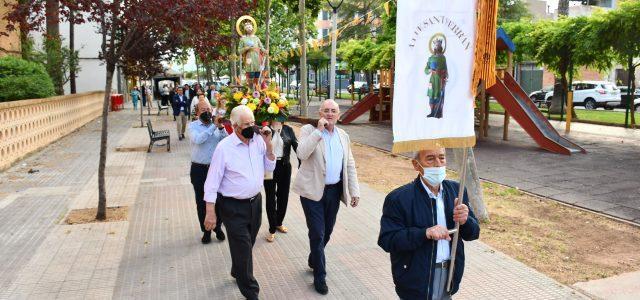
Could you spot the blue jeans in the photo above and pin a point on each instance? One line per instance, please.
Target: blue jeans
(321, 217)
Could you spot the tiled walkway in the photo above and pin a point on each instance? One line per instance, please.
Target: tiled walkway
(156, 254)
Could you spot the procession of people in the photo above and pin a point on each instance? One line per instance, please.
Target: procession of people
(242, 145)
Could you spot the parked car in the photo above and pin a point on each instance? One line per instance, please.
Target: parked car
(625, 99)
(364, 88)
(593, 94)
(357, 85)
(294, 85)
(539, 97)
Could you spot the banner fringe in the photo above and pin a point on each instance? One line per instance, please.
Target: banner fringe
(417, 145)
(484, 66)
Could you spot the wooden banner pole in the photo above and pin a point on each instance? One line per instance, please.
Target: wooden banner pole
(456, 234)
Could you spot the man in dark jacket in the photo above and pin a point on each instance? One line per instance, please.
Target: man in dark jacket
(414, 229)
(181, 111)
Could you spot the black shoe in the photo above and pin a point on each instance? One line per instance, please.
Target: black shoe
(309, 263)
(321, 287)
(183, 136)
(220, 235)
(206, 237)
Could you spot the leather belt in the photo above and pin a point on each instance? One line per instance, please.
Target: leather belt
(442, 265)
(242, 200)
(200, 165)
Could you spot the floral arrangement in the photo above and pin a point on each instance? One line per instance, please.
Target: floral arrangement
(267, 105)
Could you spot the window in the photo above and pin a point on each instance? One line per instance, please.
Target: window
(325, 15)
(325, 32)
(589, 86)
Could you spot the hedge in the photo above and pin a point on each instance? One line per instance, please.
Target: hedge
(21, 79)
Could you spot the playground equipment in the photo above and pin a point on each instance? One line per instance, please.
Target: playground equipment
(518, 105)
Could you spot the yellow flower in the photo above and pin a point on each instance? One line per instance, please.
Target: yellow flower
(282, 103)
(273, 109)
(237, 96)
(252, 106)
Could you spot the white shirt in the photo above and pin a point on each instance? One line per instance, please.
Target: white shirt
(278, 143)
(443, 252)
(333, 156)
(237, 169)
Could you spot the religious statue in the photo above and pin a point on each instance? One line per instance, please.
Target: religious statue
(251, 51)
(437, 70)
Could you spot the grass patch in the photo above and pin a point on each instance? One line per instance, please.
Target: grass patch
(597, 116)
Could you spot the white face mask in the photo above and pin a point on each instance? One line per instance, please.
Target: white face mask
(434, 175)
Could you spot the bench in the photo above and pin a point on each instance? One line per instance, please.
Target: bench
(155, 136)
(162, 107)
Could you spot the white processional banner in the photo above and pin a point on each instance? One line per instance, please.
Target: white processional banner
(433, 102)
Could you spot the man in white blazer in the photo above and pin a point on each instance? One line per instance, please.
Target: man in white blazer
(327, 175)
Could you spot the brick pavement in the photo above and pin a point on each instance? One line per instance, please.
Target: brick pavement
(157, 253)
(603, 180)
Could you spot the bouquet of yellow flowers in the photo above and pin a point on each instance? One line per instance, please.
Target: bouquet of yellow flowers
(267, 105)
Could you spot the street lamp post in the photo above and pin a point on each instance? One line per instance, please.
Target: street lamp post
(334, 41)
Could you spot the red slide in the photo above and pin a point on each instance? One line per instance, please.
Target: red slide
(517, 103)
(363, 106)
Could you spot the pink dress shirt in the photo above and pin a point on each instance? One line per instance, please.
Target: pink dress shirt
(237, 170)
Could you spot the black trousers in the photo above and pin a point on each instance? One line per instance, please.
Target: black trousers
(164, 100)
(242, 220)
(321, 217)
(198, 176)
(277, 193)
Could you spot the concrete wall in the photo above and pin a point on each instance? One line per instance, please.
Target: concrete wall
(9, 45)
(92, 75)
(28, 125)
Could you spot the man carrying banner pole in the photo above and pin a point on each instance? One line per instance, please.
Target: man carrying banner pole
(414, 229)
(443, 44)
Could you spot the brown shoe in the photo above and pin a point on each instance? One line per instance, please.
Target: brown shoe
(282, 229)
(271, 237)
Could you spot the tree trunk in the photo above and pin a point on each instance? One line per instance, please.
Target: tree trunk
(302, 40)
(72, 63)
(234, 54)
(472, 183)
(197, 68)
(25, 44)
(631, 91)
(267, 36)
(563, 8)
(53, 45)
(102, 194)
(140, 87)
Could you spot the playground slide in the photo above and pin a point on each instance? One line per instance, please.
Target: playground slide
(517, 103)
(361, 107)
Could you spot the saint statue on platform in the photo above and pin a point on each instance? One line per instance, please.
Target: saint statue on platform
(251, 51)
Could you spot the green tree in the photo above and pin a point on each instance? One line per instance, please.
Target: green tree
(512, 10)
(520, 34)
(16, 74)
(53, 45)
(563, 46)
(620, 30)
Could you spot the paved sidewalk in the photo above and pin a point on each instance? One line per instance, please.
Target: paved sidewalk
(157, 253)
(603, 180)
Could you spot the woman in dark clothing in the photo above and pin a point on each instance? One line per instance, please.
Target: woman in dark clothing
(277, 188)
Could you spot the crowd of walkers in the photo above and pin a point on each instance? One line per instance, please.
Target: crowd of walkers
(233, 160)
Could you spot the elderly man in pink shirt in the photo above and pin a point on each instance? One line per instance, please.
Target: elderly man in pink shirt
(234, 182)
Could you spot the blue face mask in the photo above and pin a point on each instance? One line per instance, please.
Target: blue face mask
(434, 175)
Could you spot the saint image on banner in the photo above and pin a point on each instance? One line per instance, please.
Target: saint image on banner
(436, 69)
